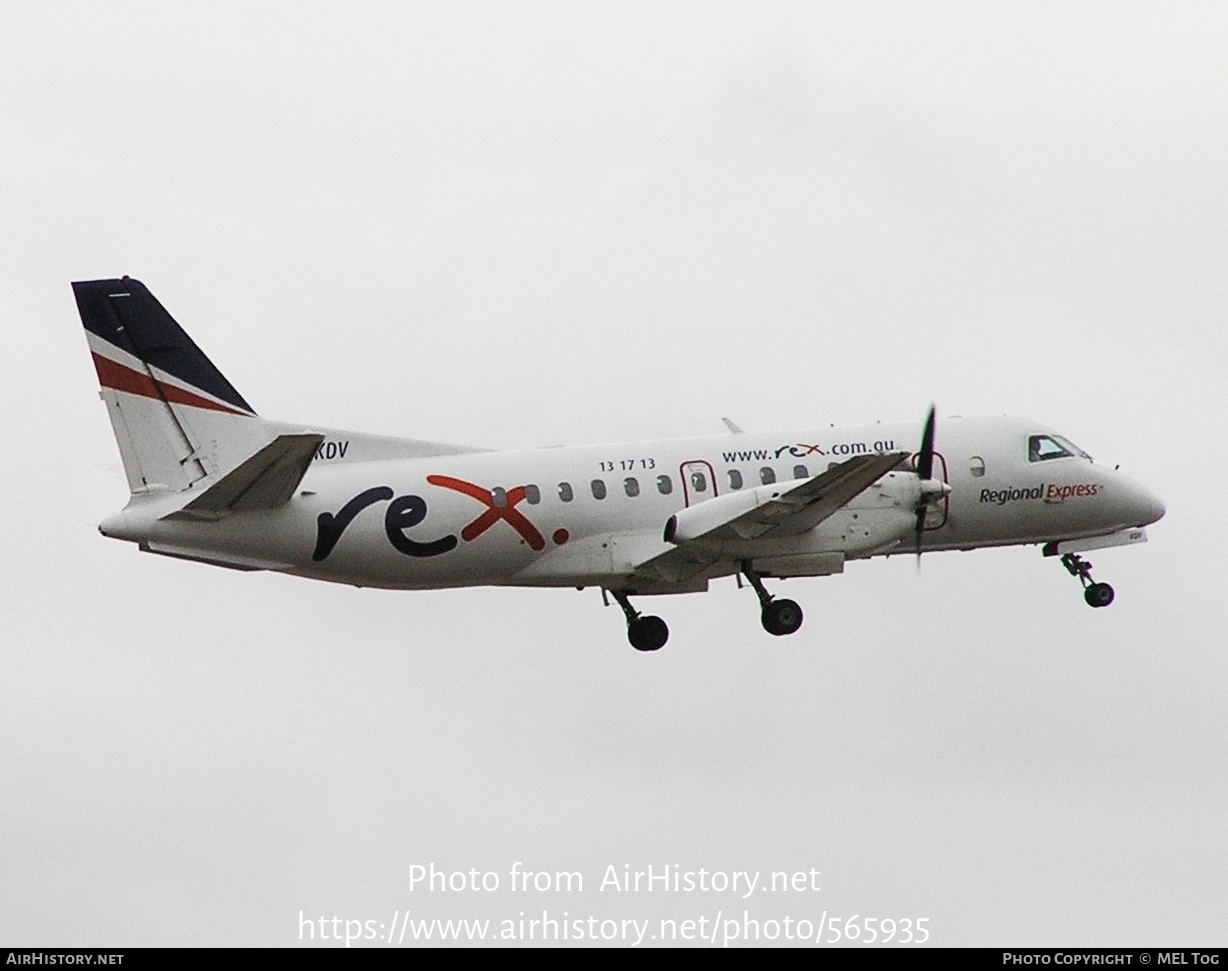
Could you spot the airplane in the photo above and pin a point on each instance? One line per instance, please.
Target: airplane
(213, 482)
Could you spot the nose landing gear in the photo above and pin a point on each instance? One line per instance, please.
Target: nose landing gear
(779, 617)
(1096, 594)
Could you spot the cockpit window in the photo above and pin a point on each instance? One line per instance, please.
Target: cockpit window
(1041, 448)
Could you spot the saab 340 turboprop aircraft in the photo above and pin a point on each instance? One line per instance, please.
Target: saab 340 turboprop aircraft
(211, 481)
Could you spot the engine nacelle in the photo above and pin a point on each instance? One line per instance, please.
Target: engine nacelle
(879, 518)
(694, 521)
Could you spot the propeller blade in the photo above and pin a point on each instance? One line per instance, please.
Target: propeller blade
(925, 458)
(925, 471)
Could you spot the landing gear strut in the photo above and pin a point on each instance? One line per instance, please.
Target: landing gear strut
(644, 633)
(1096, 594)
(779, 617)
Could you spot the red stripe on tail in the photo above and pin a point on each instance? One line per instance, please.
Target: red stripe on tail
(120, 377)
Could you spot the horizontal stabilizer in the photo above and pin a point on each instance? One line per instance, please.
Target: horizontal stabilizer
(231, 561)
(264, 481)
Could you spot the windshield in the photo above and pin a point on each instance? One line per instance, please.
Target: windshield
(1041, 448)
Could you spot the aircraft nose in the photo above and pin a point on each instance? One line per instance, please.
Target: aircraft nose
(1155, 509)
(1145, 506)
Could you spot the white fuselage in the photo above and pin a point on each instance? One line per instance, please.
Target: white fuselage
(585, 515)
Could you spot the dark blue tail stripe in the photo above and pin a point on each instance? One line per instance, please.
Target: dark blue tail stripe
(140, 325)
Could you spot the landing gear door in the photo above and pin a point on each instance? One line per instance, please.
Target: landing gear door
(698, 481)
(936, 515)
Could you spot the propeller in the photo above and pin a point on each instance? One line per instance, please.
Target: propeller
(925, 472)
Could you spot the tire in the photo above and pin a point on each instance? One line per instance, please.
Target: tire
(647, 633)
(1098, 595)
(782, 617)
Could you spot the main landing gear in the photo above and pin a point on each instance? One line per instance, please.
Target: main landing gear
(779, 617)
(1096, 594)
(644, 633)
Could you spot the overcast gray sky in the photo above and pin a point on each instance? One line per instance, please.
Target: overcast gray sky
(540, 223)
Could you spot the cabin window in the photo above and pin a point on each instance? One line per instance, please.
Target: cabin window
(801, 472)
(532, 495)
(735, 479)
(565, 492)
(976, 466)
(631, 486)
(699, 482)
(498, 497)
(598, 486)
(767, 475)
(665, 485)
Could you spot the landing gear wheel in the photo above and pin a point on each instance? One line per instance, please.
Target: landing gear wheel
(782, 617)
(647, 633)
(1098, 595)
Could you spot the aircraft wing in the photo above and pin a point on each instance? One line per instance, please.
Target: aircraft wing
(784, 509)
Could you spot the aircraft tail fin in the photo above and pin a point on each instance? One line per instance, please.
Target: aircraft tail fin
(176, 418)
